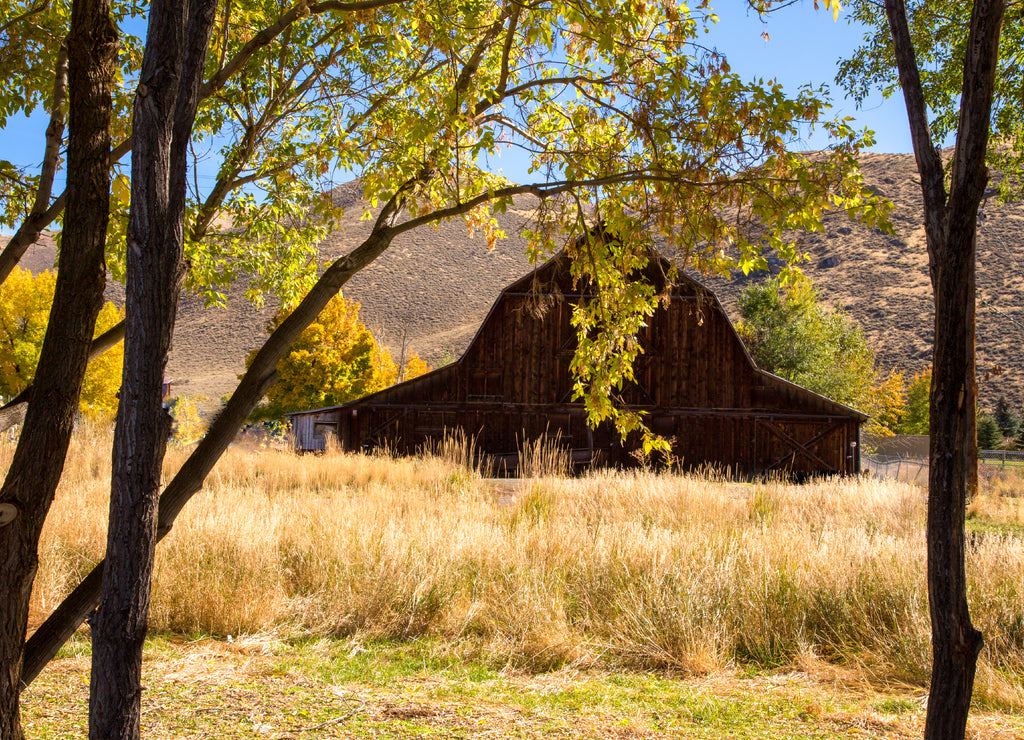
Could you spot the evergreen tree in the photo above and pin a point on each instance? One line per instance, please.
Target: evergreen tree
(988, 432)
(1006, 419)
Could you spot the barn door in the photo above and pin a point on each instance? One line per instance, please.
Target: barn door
(802, 446)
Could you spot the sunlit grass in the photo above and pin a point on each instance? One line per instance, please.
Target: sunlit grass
(266, 686)
(690, 574)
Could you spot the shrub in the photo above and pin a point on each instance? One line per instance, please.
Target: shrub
(24, 314)
(336, 359)
(916, 414)
(791, 335)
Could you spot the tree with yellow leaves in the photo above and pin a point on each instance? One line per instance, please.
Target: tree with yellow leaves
(336, 359)
(24, 313)
(915, 419)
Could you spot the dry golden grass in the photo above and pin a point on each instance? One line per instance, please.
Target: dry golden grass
(1002, 499)
(615, 570)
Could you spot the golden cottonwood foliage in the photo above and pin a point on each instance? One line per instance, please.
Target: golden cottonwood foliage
(885, 402)
(336, 359)
(24, 313)
(189, 424)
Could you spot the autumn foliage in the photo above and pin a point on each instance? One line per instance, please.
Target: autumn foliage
(336, 359)
(792, 335)
(24, 313)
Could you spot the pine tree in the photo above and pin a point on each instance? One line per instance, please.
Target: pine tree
(1006, 419)
(988, 432)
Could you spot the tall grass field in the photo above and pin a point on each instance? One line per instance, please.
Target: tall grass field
(690, 573)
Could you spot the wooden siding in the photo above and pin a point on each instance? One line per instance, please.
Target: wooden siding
(695, 380)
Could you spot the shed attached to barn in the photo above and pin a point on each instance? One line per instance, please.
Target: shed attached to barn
(695, 380)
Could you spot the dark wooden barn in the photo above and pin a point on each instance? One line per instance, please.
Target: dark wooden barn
(695, 379)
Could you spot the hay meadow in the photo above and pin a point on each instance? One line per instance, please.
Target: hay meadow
(664, 574)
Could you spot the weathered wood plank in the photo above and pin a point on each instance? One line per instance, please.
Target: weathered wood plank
(695, 382)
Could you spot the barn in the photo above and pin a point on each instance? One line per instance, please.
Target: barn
(695, 379)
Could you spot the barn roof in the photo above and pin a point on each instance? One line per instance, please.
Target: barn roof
(553, 278)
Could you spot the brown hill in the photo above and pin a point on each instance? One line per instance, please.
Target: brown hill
(430, 290)
(882, 281)
(433, 287)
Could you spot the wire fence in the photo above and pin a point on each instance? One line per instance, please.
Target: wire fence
(1002, 458)
(910, 469)
(915, 469)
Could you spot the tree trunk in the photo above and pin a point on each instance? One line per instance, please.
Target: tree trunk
(71, 612)
(953, 455)
(165, 107)
(39, 457)
(950, 232)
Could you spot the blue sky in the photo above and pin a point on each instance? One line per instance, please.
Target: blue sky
(803, 46)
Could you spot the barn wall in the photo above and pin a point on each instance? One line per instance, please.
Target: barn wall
(743, 442)
(695, 380)
(308, 437)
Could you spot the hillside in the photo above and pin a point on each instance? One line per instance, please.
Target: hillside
(433, 287)
(882, 281)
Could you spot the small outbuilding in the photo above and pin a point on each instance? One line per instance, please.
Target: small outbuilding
(695, 380)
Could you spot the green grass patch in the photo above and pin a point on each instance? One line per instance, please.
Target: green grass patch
(264, 687)
(897, 705)
(984, 526)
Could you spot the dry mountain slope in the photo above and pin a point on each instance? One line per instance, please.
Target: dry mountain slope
(430, 290)
(882, 281)
(433, 288)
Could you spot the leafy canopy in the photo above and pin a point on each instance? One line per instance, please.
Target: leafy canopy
(189, 425)
(626, 118)
(791, 335)
(939, 31)
(336, 359)
(915, 418)
(24, 314)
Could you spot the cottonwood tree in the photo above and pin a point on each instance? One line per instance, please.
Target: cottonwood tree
(35, 469)
(278, 129)
(947, 57)
(335, 359)
(62, 358)
(628, 122)
(25, 301)
(165, 108)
